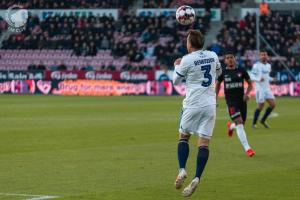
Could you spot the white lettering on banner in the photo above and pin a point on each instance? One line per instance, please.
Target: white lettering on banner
(128, 76)
(57, 75)
(78, 12)
(3, 76)
(17, 76)
(98, 76)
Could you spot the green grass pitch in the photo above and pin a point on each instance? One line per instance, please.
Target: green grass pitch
(124, 148)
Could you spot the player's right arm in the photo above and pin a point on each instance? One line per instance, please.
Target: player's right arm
(256, 74)
(181, 68)
(250, 86)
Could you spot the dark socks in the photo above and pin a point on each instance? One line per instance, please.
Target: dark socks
(256, 115)
(183, 152)
(267, 113)
(203, 154)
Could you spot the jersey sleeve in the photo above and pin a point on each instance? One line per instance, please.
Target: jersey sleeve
(218, 65)
(255, 73)
(180, 71)
(182, 68)
(221, 77)
(246, 75)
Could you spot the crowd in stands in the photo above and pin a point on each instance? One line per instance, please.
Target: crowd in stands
(82, 34)
(66, 4)
(135, 38)
(3, 25)
(282, 32)
(207, 4)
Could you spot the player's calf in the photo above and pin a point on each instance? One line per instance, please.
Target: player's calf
(183, 154)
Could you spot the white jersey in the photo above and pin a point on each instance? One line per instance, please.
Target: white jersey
(259, 71)
(200, 70)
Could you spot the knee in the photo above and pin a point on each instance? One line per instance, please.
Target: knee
(203, 142)
(260, 107)
(184, 136)
(239, 121)
(273, 105)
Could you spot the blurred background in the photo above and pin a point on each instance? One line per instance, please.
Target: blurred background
(133, 43)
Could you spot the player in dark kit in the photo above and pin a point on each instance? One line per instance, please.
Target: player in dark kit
(236, 99)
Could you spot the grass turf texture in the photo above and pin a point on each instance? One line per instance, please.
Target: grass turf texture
(124, 148)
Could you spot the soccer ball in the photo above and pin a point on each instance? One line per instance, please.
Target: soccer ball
(185, 15)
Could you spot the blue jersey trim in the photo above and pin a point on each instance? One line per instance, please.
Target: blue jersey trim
(179, 74)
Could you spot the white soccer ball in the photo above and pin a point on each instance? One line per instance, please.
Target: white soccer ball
(185, 15)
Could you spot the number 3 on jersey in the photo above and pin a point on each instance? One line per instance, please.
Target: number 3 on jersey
(206, 69)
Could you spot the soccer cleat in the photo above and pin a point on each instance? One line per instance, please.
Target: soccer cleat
(250, 152)
(229, 131)
(180, 178)
(254, 126)
(265, 124)
(190, 189)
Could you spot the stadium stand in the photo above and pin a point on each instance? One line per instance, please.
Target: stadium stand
(69, 4)
(3, 25)
(207, 4)
(280, 30)
(135, 42)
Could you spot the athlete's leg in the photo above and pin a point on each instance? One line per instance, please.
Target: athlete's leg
(183, 154)
(240, 130)
(202, 157)
(259, 108)
(183, 149)
(233, 113)
(243, 109)
(271, 107)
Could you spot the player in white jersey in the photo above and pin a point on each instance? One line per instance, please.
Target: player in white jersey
(200, 69)
(261, 75)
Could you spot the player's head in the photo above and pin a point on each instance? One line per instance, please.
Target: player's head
(195, 41)
(230, 59)
(263, 56)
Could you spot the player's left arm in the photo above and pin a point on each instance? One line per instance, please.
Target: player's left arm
(250, 86)
(218, 85)
(270, 78)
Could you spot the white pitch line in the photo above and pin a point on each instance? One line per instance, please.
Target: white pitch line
(34, 196)
(43, 197)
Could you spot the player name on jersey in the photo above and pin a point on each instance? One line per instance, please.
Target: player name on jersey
(204, 61)
(234, 85)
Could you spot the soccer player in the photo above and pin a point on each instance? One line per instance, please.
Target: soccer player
(261, 75)
(199, 68)
(236, 98)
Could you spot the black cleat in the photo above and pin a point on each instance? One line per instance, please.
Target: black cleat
(254, 126)
(265, 124)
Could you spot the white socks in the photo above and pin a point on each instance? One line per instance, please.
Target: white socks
(242, 136)
(232, 126)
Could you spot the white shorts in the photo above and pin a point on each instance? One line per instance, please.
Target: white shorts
(200, 121)
(263, 95)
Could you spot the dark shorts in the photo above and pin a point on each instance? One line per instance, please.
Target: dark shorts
(237, 109)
